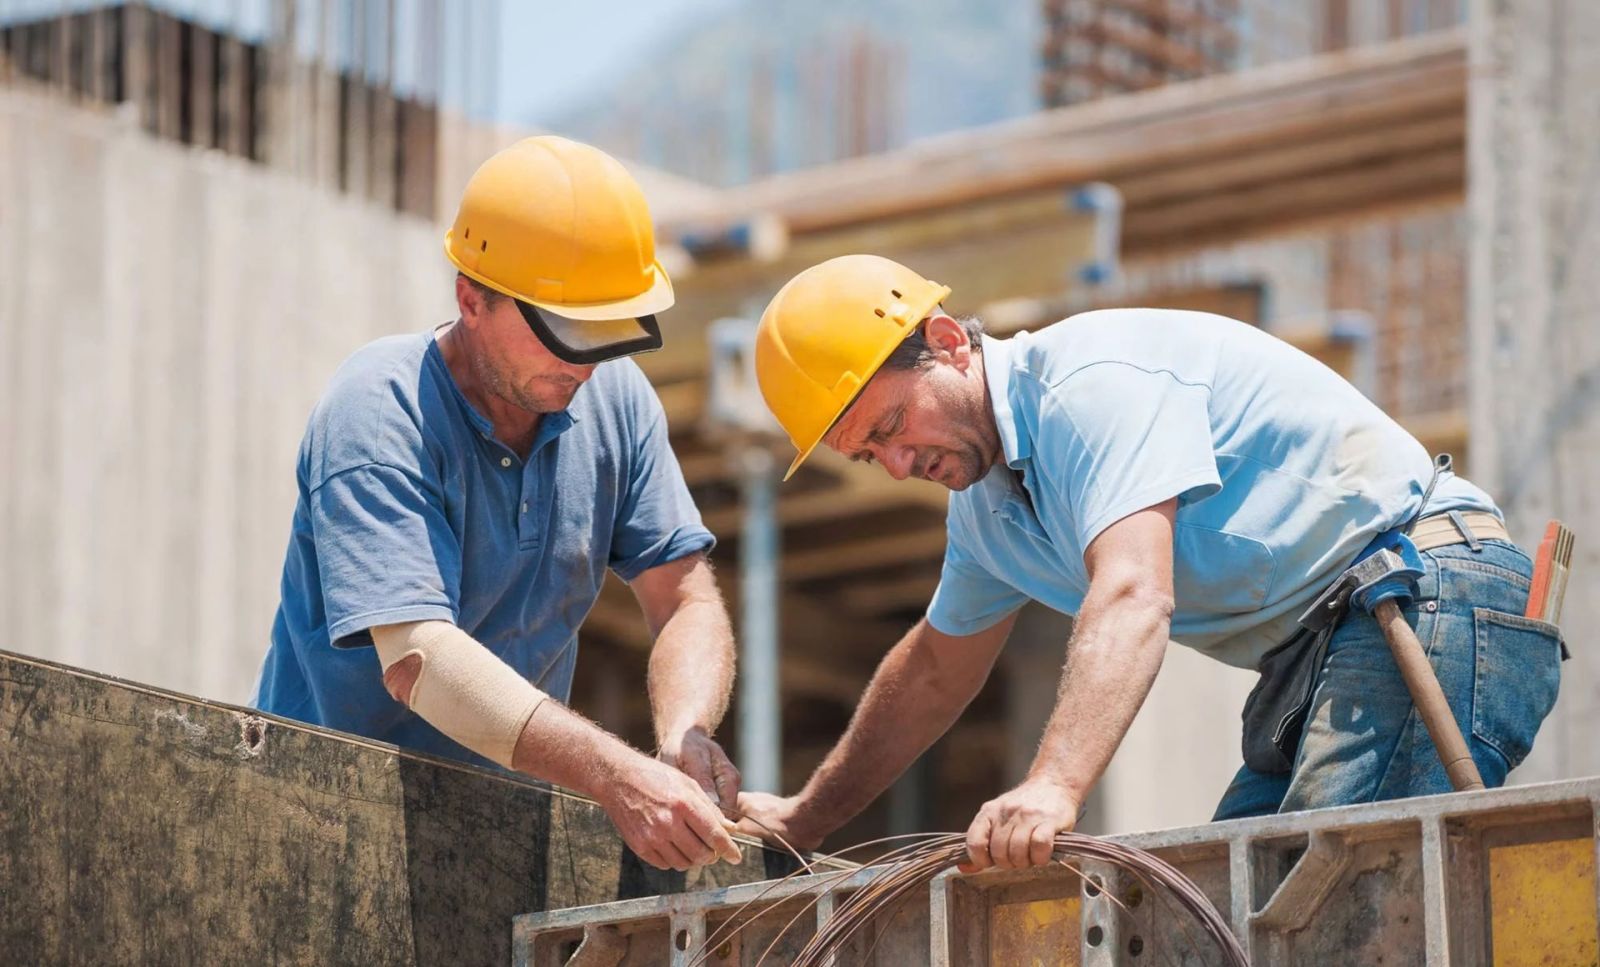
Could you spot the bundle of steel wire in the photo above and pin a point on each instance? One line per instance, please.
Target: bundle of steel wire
(910, 868)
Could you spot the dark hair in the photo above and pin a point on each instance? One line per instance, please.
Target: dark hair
(491, 298)
(913, 351)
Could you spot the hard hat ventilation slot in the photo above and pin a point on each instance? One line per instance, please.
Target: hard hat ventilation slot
(896, 293)
(879, 312)
(484, 247)
(466, 233)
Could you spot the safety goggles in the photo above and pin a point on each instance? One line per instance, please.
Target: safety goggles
(584, 342)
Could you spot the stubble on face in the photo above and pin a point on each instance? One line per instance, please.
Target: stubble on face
(966, 458)
(955, 438)
(537, 394)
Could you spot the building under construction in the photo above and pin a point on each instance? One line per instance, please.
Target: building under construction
(1402, 188)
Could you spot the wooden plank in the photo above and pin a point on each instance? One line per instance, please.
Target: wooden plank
(877, 598)
(1172, 125)
(813, 507)
(1282, 206)
(616, 618)
(1446, 129)
(921, 544)
(142, 826)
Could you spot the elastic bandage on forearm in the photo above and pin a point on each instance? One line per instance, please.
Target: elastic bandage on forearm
(457, 685)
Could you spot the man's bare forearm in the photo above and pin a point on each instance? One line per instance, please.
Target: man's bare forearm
(913, 698)
(691, 668)
(691, 662)
(558, 745)
(1118, 643)
(659, 811)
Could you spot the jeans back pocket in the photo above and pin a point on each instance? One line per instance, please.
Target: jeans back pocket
(1515, 680)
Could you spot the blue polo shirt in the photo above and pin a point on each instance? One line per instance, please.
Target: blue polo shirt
(1283, 472)
(409, 509)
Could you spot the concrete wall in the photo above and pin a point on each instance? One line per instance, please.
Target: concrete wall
(167, 319)
(1534, 313)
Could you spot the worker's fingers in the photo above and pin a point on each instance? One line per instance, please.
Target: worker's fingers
(726, 778)
(707, 828)
(1019, 840)
(1000, 844)
(1041, 844)
(673, 856)
(701, 767)
(978, 844)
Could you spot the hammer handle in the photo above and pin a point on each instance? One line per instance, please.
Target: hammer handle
(1428, 697)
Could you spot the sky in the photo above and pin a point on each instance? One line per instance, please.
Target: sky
(551, 52)
(554, 51)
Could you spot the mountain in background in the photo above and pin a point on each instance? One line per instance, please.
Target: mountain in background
(774, 85)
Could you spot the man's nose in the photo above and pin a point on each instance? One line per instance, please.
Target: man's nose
(898, 462)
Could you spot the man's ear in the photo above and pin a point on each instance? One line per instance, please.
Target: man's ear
(946, 336)
(469, 301)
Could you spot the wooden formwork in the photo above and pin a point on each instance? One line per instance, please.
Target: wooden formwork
(1504, 876)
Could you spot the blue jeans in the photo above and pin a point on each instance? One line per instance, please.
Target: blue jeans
(1363, 740)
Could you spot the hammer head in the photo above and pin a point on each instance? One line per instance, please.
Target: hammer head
(1386, 572)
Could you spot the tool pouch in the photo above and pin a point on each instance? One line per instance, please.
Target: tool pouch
(1275, 713)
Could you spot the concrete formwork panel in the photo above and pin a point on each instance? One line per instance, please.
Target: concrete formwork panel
(142, 826)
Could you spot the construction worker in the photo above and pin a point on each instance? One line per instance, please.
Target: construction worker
(1152, 473)
(462, 493)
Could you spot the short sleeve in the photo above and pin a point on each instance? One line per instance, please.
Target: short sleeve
(1119, 438)
(969, 599)
(385, 550)
(657, 521)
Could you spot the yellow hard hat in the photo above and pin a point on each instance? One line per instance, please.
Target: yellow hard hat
(826, 333)
(562, 228)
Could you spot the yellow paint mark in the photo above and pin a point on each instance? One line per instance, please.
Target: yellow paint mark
(1542, 904)
(1039, 933)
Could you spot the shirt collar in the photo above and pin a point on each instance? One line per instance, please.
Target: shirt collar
(997, 372)
(551, 425)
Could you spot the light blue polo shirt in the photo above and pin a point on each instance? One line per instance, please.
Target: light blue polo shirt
(409, 510)
(1283, 472)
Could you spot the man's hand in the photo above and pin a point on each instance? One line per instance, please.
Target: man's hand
(699, 757)
(1019, 828)
(666, 818)
(768, 817)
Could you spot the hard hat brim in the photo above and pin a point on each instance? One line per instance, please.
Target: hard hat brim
(800, 458)
(652, 301)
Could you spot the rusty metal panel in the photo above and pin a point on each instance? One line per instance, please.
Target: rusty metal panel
(1542, 904)
(1414, 881)
(1036, 933)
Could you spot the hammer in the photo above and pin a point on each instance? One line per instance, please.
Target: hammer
(1380, 583)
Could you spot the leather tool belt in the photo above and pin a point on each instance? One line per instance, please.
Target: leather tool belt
(1275, 713)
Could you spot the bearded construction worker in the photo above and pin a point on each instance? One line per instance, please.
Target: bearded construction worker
(462, 493)
(1153, 473)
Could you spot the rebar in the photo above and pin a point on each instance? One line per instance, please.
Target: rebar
(911, 867)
